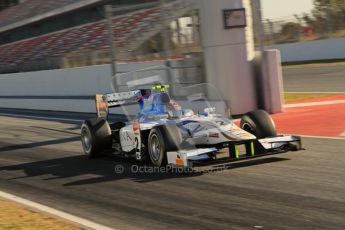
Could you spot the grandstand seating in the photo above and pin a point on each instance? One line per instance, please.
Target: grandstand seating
(29, 9)
(86, 37)
(129, 30)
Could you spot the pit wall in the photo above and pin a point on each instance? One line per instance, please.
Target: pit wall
(70, 90)
(74, 89)
(311, 51)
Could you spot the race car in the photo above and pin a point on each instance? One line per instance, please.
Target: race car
(166, 134)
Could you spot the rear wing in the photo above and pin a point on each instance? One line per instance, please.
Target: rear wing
(113, 100)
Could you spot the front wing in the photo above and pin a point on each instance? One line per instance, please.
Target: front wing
(254, 148)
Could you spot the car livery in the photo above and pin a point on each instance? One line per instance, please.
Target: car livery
(165, 133)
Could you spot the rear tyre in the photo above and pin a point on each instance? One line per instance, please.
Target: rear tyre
(163, 139)
(259, 123)
(96, 137)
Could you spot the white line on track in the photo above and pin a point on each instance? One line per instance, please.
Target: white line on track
(315, 103)
(40, 117)
(313, 65)
(320, 137)
(52, 211)
(315, 92)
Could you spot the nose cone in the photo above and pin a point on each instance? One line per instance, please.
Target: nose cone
(239, 134)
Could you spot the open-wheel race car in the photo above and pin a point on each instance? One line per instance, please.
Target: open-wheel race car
(165, 133)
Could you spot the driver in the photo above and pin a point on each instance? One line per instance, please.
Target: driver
(161, 104)
(151, 104)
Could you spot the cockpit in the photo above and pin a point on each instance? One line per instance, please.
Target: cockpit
(159, 106)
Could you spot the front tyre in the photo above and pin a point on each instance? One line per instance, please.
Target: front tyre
(163, 139)
(95, 137)
(157, 148)
(259, 123)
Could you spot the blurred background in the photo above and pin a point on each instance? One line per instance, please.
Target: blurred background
(322, 19)
(85, 38)
(38, 35)
(68, 33)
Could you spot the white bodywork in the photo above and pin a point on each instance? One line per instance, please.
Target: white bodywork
(209, 130)
(202, 130)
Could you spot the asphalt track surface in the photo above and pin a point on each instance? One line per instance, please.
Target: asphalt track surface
(42, 160)
(319, 78)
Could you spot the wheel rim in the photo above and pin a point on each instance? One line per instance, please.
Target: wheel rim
(155, 148)
(86, 139)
